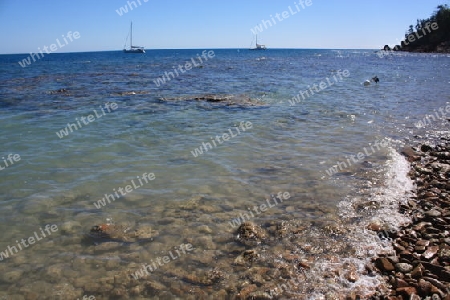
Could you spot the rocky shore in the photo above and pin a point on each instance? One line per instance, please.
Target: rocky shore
(443, 47)
(420, 267)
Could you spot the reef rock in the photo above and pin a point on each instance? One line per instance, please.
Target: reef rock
(250, 234)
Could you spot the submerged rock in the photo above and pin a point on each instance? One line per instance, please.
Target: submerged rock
(227, 100)
(119, 233)
(59, 91)
(245, 257)
(250, 234)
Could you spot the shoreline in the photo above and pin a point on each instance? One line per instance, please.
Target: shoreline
(420, 267)
(445, 51)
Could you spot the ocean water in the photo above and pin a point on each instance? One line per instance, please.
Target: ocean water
(134, 126)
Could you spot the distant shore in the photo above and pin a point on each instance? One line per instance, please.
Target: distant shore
(441, 48)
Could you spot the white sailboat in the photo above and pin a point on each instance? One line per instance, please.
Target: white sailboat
(259, 46)
(133, 49)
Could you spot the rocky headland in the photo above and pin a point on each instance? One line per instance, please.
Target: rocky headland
(431, 35)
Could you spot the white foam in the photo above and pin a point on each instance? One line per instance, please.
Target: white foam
(328, 277)
(397, 189)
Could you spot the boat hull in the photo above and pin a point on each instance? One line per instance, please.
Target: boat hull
(133, 50)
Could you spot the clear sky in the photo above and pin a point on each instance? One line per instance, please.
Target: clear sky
(165, 24)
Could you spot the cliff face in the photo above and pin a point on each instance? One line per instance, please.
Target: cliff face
(429, 35)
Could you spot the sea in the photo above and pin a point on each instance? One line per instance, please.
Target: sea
(229, 173)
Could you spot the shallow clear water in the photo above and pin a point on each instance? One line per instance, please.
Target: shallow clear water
(288, 148)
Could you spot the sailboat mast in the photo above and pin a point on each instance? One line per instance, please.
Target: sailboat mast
(131, 35)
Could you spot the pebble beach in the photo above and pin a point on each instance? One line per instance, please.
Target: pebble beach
(419, 266)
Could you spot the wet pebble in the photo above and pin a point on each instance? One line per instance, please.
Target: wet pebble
(403, 267)
(384, 264)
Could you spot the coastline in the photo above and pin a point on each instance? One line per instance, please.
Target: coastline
(441, 49)
(420, 266)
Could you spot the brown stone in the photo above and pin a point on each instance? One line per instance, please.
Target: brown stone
(437, 269)
(436, 283)
(410, 154)
(417, 272)
(422, 242)
(374, 226)
(419, 249)
(400, 283)
(384, 264)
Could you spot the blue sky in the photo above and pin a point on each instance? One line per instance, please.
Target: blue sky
(165, 24)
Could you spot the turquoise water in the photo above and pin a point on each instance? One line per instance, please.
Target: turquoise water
(288, 148)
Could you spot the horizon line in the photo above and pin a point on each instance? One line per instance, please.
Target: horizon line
(158, 49)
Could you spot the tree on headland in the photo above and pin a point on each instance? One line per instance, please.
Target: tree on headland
(431, 34)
